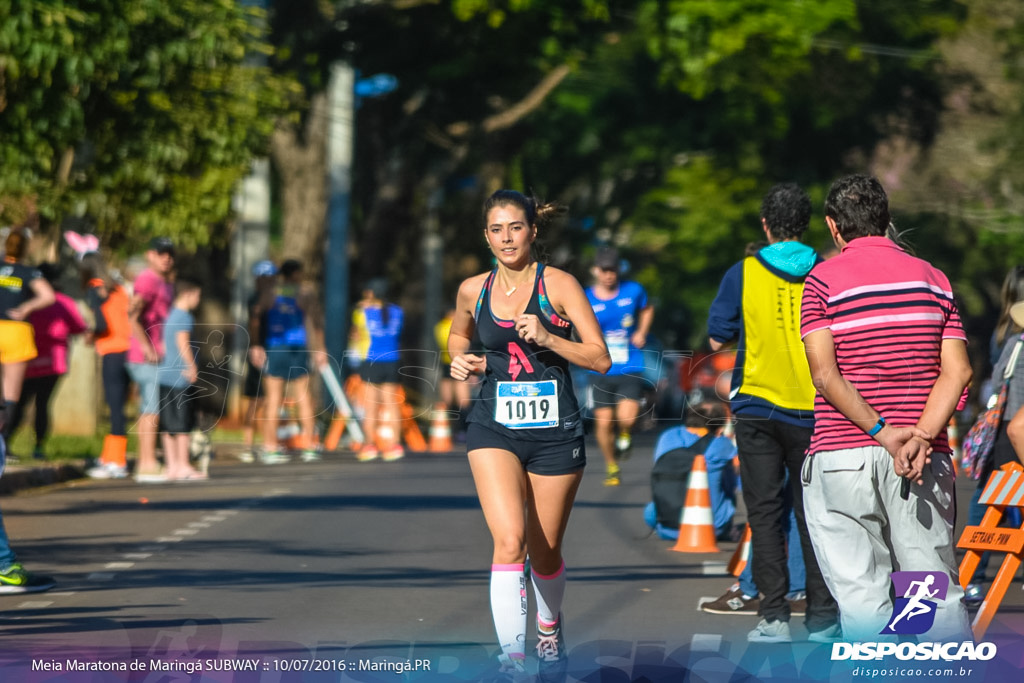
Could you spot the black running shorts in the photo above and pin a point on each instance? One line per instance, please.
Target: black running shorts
(537, 457)
(608, 390)
(381, 372)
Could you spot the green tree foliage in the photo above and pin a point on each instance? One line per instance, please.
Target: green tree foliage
(667, 121)
(788, 91)
(141, 115)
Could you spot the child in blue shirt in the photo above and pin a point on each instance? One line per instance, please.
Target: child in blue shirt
(177, 374)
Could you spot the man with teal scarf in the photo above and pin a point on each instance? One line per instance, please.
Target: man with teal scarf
(772, 399)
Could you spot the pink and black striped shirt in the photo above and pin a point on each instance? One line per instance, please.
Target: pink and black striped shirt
(888, 313)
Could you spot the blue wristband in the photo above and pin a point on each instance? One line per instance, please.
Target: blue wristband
(878, 426)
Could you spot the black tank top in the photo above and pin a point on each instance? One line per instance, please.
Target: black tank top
(527, 390)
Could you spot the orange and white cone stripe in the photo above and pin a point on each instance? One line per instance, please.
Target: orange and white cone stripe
(697, 525)
(742, 555)
(440, 432)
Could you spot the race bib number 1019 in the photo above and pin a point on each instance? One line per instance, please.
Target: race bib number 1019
(527, 405)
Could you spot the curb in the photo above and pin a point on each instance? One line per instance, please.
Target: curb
(20, 477)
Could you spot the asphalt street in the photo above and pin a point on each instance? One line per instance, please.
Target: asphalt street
(337, 570)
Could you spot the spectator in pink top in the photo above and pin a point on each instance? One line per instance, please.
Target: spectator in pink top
(53, 326)
(151, 301)
(888, 357)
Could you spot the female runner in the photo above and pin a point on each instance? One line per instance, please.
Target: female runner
(525, 434)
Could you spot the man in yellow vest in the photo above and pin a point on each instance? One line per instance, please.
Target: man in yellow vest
(772, 399)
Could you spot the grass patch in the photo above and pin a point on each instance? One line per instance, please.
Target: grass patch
(62, 446)
(65, 447)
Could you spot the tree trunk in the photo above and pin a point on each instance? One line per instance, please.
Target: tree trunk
(301, 162)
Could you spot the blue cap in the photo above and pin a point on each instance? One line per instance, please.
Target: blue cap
(264, 269)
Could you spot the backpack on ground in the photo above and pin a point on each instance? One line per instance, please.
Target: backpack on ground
(670, 479)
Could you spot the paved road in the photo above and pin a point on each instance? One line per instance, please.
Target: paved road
(338, 563)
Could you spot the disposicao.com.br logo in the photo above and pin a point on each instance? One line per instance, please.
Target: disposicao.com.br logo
(918, 595)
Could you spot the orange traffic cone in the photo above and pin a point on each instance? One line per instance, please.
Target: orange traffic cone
(742, 555)
(440, 432)
(696, 526)
(387, 434)
(410, 430)
(336, 431)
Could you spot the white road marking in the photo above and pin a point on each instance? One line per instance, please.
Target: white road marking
(705, 599)
(119, 565)
(705, 642)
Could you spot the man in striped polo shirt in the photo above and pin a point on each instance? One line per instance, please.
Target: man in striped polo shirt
(888, 357)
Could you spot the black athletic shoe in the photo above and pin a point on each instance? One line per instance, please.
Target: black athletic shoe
(553, 660)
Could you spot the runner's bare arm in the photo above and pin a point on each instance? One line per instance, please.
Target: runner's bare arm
(314, 316)
(643, 327)
(461, 333)
(570, 303)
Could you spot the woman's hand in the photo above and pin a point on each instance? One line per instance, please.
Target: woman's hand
(467, 364)
(531, 330)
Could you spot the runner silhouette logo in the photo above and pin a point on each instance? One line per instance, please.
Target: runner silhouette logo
(914, 612)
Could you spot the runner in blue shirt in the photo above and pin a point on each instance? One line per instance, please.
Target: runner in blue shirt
(625, 317)
(382, 419)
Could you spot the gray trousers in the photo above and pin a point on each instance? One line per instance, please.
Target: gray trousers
(862, 530)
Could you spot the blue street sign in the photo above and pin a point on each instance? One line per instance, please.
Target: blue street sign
(376, 85)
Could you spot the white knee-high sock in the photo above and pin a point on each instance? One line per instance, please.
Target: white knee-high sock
(549, 591)
(508, 607)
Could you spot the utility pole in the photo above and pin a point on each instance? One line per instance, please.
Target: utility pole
(342, 92)
(433, 254)
(340, 139)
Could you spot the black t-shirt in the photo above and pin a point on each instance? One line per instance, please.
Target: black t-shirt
(15, 287)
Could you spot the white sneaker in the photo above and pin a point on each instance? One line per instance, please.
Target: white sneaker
(107, 470)
(832, 634)
(246, 456)
(770, 632)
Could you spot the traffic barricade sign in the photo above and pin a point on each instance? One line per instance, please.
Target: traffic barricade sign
(1004, 490)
